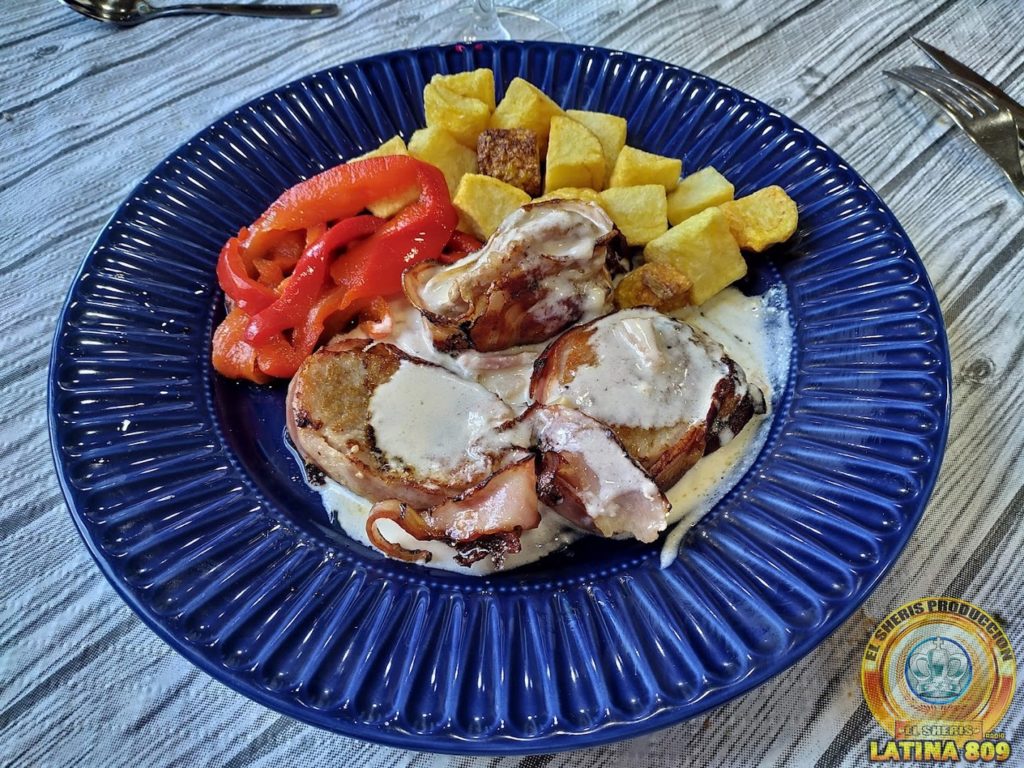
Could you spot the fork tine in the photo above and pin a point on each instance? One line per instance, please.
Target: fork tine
(993, 131)
(939, 57)
(957, 95)
(911, 79)
(965, 91)
(964, 73)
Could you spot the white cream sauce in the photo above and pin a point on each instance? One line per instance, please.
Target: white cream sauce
(755, 332)
(562, 233)
(651, 372)
(420, 402)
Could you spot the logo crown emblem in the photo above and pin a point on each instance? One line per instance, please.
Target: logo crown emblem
(938, 670)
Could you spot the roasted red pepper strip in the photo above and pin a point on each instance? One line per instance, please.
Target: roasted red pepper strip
(233, 276)
(281, 260)
(463, 241)
(233, 356)
(277, 357)
(371, 268)
(459, 246)
(418, 232)
(335, 194)
(306, 284)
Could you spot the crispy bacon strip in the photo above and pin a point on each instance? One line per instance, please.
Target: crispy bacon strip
(486, 520)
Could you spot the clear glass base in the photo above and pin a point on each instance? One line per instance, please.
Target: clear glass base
(514, 24)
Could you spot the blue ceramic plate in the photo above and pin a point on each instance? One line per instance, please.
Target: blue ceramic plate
(182, 487)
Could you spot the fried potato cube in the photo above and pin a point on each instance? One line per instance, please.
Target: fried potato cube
(704, 189)
(572, 193)
(575, 157)
(463, 117)
(389, 206)
(526, 106)
(483, 202)
(634, 167)
(512, 155)
(703, 249)
(610, 131)
(661, 286)
(639, 213)
(766, 217)
(476, 84)
(440, 149)
(393, 146)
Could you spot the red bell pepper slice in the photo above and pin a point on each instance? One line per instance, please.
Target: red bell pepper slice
(280, 358)
(335, 194)
(233, 276)
(304, 303)
(307, 280)
(233, 356)
(459, 246)
(417, 233)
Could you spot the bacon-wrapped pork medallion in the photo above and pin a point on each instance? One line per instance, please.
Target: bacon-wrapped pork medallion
(669, 393)
(587, 477)
(390, 426)
(544, 269)
(442, 457)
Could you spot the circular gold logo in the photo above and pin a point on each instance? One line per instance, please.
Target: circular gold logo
(938, 667)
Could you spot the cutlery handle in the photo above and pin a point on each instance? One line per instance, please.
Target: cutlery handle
(314, 11)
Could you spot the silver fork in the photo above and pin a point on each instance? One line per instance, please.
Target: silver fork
(987, 124)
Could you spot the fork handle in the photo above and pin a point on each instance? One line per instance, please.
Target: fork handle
(314, 11)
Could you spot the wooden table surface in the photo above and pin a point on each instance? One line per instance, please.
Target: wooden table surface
(87, 110)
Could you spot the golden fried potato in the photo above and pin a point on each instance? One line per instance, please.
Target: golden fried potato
(575, 157)
(393, 146)
(439, 148)
(703, 249)
(610, 131)
(766, 217)
(661, 286)
(477, 84)
(512, 155)
(483, 202)
(639, 213)
(572, 193)
(704, 189)
(526, 106)
(388, 207)
(634, 167)
(463, 117)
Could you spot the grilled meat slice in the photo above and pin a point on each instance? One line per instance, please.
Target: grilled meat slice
(669, 393)
(543, 269)
(390, 426)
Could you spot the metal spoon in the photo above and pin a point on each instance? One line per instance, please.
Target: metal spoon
(128, 13)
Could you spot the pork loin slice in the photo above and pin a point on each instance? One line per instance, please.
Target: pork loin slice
(668, 392)
(542, 270)
(587, 477)
(391, 426)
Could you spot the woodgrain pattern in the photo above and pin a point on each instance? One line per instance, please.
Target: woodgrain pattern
(87, 110)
